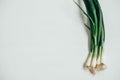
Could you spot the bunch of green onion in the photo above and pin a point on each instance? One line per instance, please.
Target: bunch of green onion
(94, 14)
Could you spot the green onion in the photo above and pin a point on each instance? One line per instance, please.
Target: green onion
(94, 14)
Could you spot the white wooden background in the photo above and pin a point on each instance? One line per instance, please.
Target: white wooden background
(46, 40)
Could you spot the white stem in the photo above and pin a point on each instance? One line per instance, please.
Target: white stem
(98, 59)
(101, 57)
(94, 61)
(88, 62)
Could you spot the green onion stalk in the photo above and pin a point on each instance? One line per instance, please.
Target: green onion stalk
(94, 14)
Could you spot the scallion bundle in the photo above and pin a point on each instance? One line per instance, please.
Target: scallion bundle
(97, 32)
